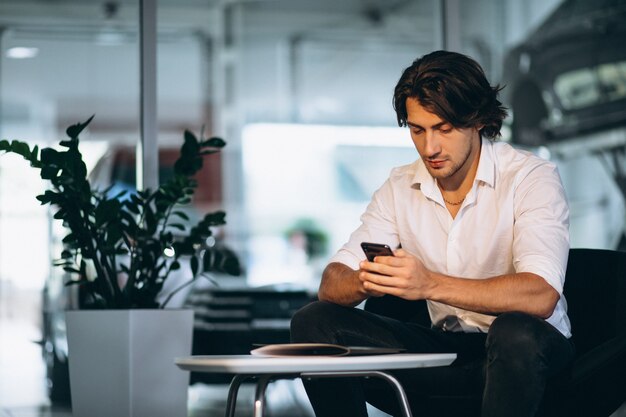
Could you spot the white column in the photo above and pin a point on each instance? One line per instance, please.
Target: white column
(148, 148)
(451, 25)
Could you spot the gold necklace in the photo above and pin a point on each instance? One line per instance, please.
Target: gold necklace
(452, 203)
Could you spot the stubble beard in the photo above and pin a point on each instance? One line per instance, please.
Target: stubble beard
(441, 174)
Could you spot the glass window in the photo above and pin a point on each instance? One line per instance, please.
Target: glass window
(306, 187)
(55, 75)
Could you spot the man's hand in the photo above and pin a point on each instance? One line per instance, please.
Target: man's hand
(402, 275)
(406, 277)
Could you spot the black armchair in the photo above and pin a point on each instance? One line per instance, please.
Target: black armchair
(595, 384)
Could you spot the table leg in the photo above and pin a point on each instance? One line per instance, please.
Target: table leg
(397, 387)
(231, 401)
(404, 402)
(259, 400)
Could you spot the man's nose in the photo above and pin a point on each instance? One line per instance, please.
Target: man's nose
(433, 144)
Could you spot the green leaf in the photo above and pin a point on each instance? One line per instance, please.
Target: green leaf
(121, 194)
(144, 195)
(114, 235)
(70, 237)
(21, 148)
(74, 130)
(150, 219)
(221, 259)
(49, 197)
(214, 142)
(48, 172)
(107, 211)
(34, 153)
(191, 144)
(168, 237)
(209, 152)
(181, 214)
(51, 156)
(217, 218)
(178, 226)
(128, 221)
(132, 207)
(135, 198)
(75, 282)
(121, 249)
(208, 260)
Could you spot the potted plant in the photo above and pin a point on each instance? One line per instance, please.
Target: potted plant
(120, 250)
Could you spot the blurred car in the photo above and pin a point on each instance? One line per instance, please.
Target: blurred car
(566, 89)
(568, 77)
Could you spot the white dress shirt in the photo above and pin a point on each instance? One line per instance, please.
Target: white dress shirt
(514, 219)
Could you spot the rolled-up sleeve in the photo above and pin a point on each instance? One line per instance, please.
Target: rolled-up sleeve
(378, 224)
(541, 229)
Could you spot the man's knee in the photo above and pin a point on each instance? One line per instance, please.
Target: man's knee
(518, 334)
(313, 323)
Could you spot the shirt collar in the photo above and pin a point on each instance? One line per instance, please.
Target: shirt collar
(486, 171)
(422, 180)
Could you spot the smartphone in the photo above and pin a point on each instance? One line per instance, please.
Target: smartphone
(373, 250)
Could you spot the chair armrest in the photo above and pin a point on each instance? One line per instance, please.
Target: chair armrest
(611, 353)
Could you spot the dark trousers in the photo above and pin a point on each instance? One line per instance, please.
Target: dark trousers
(507, 368)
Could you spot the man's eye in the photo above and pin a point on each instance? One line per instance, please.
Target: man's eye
(416, 131)
(445, 130)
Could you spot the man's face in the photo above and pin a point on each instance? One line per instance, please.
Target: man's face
(447, 152)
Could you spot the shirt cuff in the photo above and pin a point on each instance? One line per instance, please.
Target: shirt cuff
(547, 270)
(348, 258)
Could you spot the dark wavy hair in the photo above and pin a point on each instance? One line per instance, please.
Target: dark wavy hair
(454, 87)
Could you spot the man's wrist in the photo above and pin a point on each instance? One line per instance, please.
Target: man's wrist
(435, 282)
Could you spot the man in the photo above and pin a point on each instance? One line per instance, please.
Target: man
(482, 232)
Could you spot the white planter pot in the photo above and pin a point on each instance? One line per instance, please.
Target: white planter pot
(122, 362)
